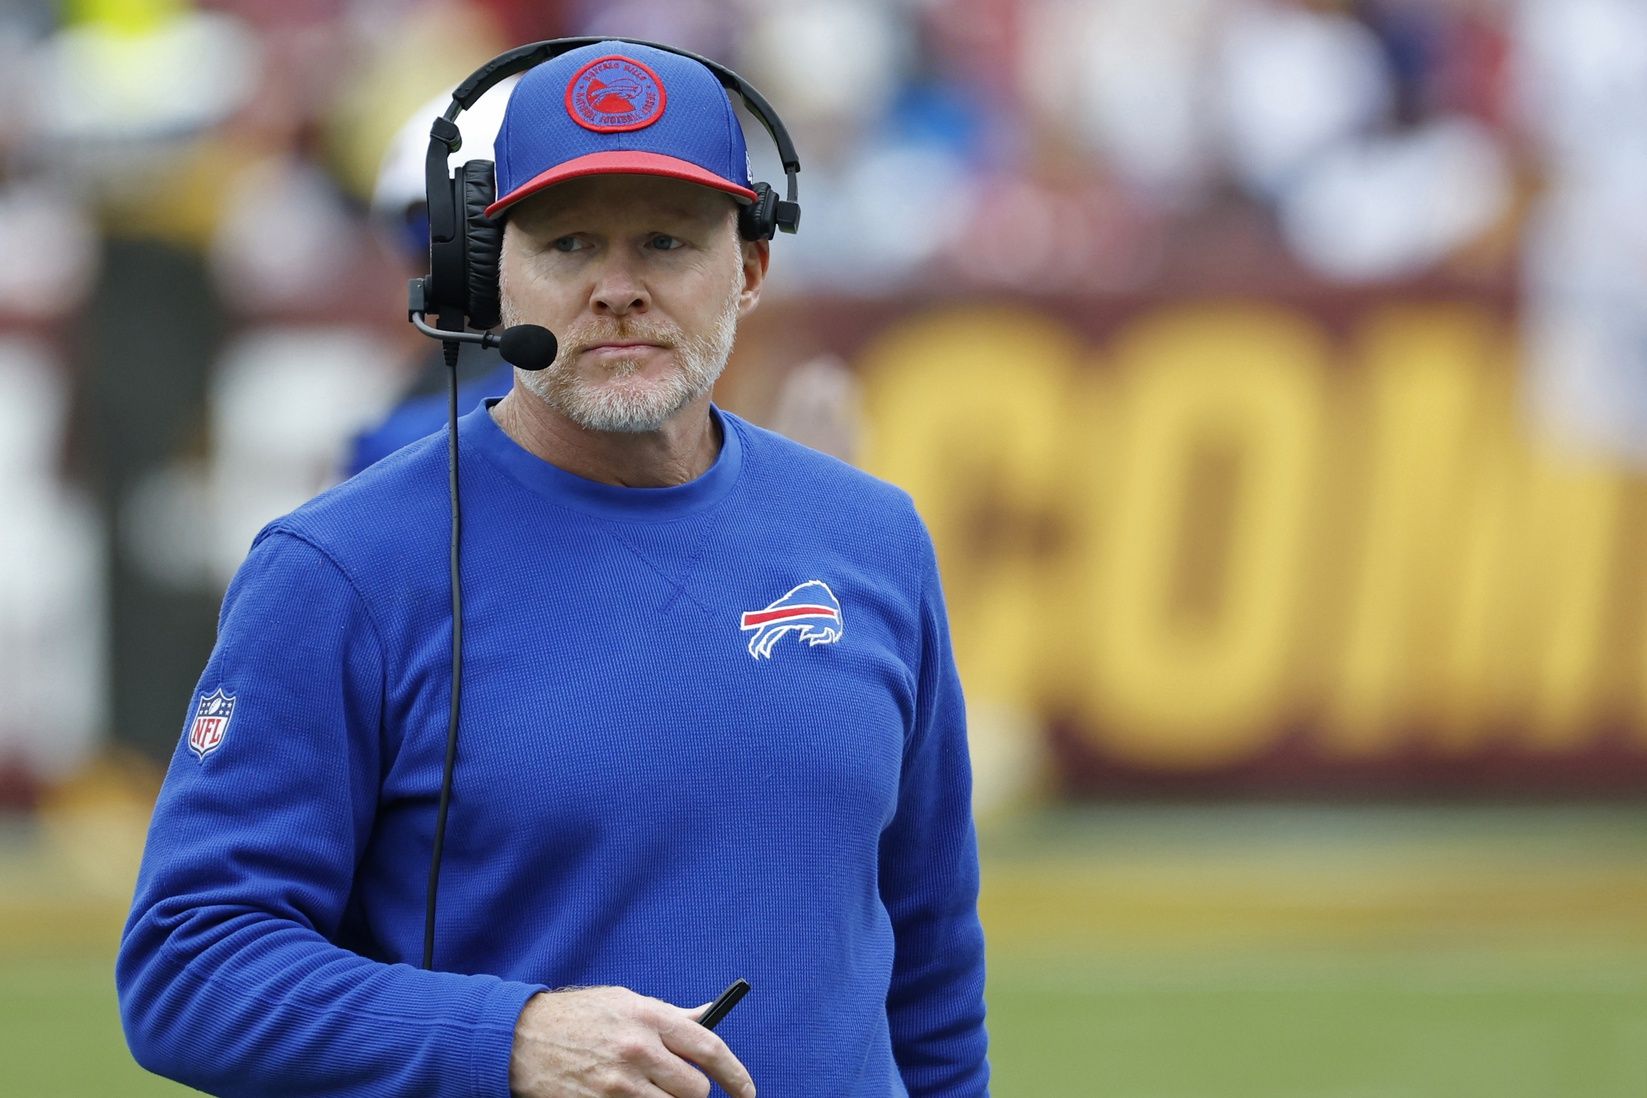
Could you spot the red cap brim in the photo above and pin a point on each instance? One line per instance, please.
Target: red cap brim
(620, 163)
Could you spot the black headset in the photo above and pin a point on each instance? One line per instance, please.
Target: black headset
(465, 245)
(461, 288)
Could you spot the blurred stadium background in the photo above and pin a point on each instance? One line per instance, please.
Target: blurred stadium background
(1273, 374)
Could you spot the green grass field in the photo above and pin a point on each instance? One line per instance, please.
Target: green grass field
(1137, 953)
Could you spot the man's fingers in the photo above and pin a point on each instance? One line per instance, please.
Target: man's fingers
(691, 1041)
(677, 1078)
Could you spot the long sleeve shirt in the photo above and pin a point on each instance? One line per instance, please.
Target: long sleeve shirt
(708, 731)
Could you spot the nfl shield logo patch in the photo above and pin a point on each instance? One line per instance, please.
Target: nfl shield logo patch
(211, 722)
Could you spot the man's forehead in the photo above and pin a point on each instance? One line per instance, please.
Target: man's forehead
(613, 197)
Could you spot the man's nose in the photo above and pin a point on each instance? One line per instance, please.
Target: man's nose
(618, 289)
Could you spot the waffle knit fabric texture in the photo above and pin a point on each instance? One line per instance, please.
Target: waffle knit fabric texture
(640, 799)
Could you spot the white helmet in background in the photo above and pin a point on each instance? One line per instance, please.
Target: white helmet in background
(399, 204)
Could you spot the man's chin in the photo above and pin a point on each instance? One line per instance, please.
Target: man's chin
(623, 407)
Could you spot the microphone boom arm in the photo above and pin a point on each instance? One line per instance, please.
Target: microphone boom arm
(524, 346)
(485, 339)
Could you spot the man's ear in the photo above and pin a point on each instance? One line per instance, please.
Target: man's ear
(757, 257)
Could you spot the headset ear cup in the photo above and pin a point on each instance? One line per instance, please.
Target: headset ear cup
(482, 244)
(758, 220)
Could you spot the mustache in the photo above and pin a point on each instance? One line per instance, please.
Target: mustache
(584, 336)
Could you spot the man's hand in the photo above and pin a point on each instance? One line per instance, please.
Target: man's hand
(602, 1042)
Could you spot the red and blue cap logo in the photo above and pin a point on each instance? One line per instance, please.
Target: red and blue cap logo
(612, 94)
(619, 108)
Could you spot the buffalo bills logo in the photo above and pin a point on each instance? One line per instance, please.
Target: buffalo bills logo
(810, 611)
(211, 722)
(614, 94)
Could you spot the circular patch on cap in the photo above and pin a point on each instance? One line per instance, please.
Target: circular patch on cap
(611, 94)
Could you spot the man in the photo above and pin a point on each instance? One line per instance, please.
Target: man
(711, 723)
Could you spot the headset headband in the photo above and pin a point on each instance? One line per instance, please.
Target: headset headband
(505, 65)
(444, 138)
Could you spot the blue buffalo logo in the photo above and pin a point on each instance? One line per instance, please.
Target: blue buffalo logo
(810, 611)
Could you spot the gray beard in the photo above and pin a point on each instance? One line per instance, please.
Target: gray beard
(610, 405)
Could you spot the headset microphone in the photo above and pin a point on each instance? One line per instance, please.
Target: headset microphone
(528, 346)
(523, 346)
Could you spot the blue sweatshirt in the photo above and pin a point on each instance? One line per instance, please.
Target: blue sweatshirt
(708, 731)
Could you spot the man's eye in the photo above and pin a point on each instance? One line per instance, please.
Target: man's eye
(566, 244)
(663, 242)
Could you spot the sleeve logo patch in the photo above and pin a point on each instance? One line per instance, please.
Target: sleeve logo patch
(211, 722)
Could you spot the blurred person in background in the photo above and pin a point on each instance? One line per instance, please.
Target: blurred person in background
(871, 102)
(400, 212)
(1341, 117)
(1581, 89)
(300, 268)
(52, 613)
(713, 722)
(132, 104)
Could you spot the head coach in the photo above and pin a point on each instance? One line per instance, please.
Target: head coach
(710, 722)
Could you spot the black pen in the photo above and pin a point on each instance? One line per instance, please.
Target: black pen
(723, 1004)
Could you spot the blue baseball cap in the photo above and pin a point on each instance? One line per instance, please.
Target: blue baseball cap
(619, 108)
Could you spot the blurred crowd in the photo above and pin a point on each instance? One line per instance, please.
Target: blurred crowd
(198, 306)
